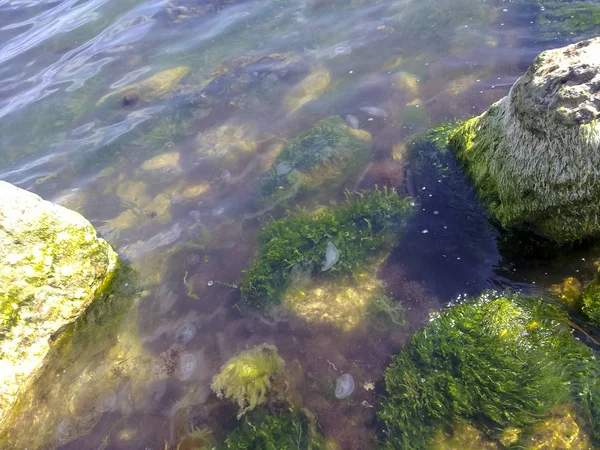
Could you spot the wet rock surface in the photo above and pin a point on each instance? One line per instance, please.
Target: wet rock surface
(532, 155)
(52, 266)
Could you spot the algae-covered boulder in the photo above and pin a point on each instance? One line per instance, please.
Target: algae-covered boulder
(52, 266)
(325, 244)
(321, 158)
(503, 364)
(534, 155)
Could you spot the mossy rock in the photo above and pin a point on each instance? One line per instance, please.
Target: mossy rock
(496, 363)
(54, 275)
(299, 243)
(321, 158)
(531, 156)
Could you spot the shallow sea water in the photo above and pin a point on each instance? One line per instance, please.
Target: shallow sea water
(156, 120)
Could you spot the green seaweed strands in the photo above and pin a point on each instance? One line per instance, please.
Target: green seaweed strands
(497, 362)
(357, 229)
(260, 430)
(591, 302)
(292, 429)
(320, 158)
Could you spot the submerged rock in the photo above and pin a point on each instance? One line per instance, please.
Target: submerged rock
(309, 89)
(52, 266)
(321, 158)
(151, 88)
(533, 156)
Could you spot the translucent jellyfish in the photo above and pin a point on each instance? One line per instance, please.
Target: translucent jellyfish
(344, 386)
(193, 259)
(283, 168)
(352, 121)
(374, 111)
(177, 198)
(187, 366)
(195, 214)
(218, 211)
(106, 402)
(342, 50)
(64, 430)
(331, 257)
(185, 333)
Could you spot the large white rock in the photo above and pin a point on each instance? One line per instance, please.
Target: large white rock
(534, 156)
(52, 265)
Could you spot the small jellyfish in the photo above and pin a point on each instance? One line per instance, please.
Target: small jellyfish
(344, 386)
(374, 111)
(187, 366)
(218, 211)
(352, 121)
(342, 50)
(195, 214)
(106, 402)
(331, 257)
(177, 198)
(193, 259)
(185, 333)
(283, 168)
(226, 176)
(64, 430)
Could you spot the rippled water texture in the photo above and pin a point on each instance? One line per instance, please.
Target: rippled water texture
(158, 120)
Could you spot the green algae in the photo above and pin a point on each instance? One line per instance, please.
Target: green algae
(569, 20)
(558, 211)
(495, 362)
(247, 378)
(291, 429)
(590, 299)
(319, 159)
(358, 229)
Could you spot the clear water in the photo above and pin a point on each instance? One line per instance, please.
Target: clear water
(169, 178)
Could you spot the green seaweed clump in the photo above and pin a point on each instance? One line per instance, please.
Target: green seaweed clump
(247, 377)
(385, 313)
(320, 158)
(591, 302)
(260, 430)
(497, 362)
(299, 242)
